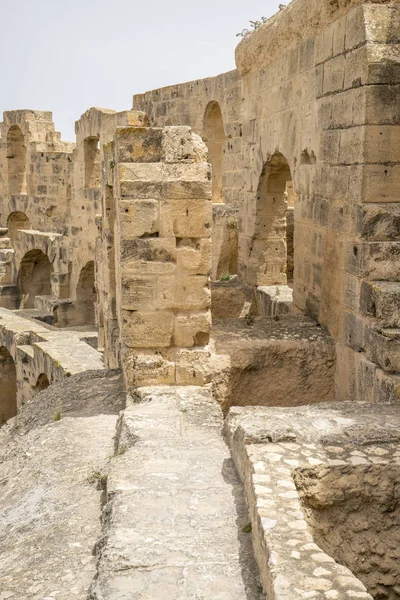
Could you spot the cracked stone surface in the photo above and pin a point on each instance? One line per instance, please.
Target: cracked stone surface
(50, 503)
(173, 524)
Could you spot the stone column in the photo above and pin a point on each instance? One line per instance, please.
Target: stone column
(163, 255)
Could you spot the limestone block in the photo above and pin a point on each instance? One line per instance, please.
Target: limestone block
(382, 182)
(382, 23)
(379, 261)
(146, 252)
(334, 71)
(141, 189)
(194, 256)
(138, 218)
(382, 104)
(354, 331)
(356, 68)
(142, 368)
(146, 329)
(185, 218)
(355, 27)
(324, 45)
(381, 300)
(191, 329)
(383, 347)
(147, 293)
(187, 189)
(179, 144)
(193, 366)
(382, 144)
(138, 144)
(140, 172)
(192, 292)
(200, 171)
(339, 35)
(377, 222)
(138, 293)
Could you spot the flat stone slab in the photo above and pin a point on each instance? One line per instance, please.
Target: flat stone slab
(293, 460)
(176, 511)
(51, 506)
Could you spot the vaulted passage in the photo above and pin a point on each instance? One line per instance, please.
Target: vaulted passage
(214, 136)
(16, 159)
(34, 277)
(86, 295)
(268, 262)
(15, 222)
(8, 386)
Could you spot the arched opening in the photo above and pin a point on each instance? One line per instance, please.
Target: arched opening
(8, 386)
(92, 162)
(86, 295)
(42, 383)
(17, 221)
(214, 136)
(34, 277)
(268, 255)
(16, 159)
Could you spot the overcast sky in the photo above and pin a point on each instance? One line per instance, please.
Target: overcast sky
(68, 55)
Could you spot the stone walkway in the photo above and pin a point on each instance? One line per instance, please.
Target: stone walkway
(50, 507)
(175, 525)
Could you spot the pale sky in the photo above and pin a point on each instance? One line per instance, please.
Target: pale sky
(68, 55)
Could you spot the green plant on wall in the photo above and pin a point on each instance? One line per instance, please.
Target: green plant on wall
(256, 24)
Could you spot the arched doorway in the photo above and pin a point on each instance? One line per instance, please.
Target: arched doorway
(34, 277)
(42, 383)
(214, 136)
(16, 160)
(16, 221)
(8, 386)
(86, 295)
(267, 261)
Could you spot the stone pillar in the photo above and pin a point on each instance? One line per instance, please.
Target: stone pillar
(163, 255)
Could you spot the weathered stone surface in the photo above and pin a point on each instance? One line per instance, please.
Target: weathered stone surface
(272, 363)
(50, 501)
(319, 481)
(175, 509)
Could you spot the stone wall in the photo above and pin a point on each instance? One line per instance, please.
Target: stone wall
(315, 108)
(156, 244)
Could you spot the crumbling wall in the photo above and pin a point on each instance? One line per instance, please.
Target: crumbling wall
(354, 515)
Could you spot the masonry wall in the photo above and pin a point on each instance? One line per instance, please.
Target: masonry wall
(195, 104)
(161, 197)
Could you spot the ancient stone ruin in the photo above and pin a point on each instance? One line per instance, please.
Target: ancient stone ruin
(200, 329)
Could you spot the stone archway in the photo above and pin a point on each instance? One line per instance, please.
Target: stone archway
(16, 161)
(265, 239)
(214, 136)
(86, 295)
(42, 383)
(34, 277)
(8, 386)
(16, 221)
